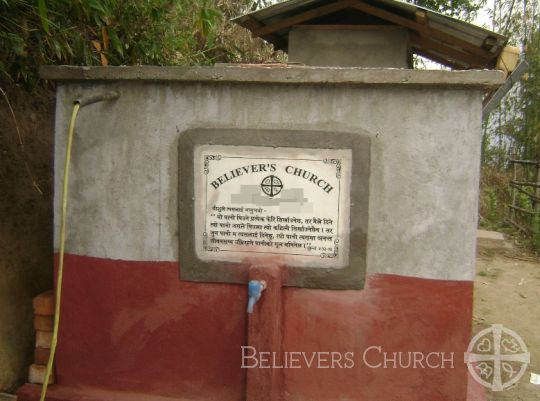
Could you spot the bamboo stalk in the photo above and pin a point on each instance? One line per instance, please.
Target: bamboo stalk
(533, 162)
(520, 209)
(526, 184)
(519, 226)
(532, 196)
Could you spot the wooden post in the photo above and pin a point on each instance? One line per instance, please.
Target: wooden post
(511, 211)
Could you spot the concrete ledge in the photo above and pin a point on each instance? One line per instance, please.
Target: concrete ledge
(281, 74)
(491, 241)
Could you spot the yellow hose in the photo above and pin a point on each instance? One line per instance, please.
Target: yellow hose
(76, 107)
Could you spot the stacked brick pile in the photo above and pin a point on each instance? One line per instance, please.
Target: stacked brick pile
(43, 324)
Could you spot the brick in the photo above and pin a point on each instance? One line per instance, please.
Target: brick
(43, 339)
(41, 355)
(44, 304)
(43, 323)
(36, 374)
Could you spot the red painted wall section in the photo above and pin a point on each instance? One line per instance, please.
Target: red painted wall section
(399, 314)
(134, 327)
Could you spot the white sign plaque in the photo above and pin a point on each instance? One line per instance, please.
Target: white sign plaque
(291, 204)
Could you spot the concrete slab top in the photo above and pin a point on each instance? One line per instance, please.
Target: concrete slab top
(281, 74)
(492, 235)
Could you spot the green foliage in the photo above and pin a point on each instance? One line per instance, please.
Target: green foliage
(462, 9)
(494, 198)
(534, 240)
(513, 130)
(529, 119)
(117, 32)
(515, 19)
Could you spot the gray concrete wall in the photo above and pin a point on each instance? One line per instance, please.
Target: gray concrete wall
(424, 172)
(349, 48)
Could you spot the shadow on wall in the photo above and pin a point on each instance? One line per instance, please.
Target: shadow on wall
(26, 177)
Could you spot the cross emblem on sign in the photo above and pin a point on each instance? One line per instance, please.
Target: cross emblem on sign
(271, 185)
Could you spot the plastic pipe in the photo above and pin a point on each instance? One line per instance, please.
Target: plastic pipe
(77, 105)
(255, 289)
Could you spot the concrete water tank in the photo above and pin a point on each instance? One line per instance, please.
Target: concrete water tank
(350, 192)
(132, 324)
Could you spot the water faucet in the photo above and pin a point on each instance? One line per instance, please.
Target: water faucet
(255, 289)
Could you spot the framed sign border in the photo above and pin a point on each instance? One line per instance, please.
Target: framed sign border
(331, 254)
(351, 276)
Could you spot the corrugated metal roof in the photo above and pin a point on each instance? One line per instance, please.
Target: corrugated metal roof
(443, 39)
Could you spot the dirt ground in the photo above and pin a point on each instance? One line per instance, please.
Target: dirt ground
(26, 143)
(507, 292)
